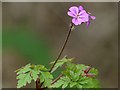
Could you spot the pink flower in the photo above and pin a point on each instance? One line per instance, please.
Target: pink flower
(79, 15)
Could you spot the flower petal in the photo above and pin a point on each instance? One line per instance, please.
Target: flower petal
(82, 12)
(93, 17)
(76, 21)
(71, 14)
(74, 10)
(88, 23)
(84, 16)
(84, 19)
(81, 8)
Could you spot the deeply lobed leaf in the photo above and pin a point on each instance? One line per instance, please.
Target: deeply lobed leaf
(23, 79)
(75, 77)
(31, 72)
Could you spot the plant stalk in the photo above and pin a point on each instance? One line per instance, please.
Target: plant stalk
(60, 53)
(37, 84)
(63, 47)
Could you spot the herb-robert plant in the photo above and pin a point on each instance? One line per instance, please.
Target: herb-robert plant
(73, 75)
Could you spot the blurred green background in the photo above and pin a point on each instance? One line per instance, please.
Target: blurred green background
(34, 33)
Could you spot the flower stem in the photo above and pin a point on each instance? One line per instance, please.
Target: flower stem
(63, 47)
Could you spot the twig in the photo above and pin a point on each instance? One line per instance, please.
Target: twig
(63, 47)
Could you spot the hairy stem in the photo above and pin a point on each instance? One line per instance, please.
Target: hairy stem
(63, 47)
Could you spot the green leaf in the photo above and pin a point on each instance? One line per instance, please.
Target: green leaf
(79, 86)
(83, 80)
(23, 79)
(74, 71)
(20, 76)
(65, 78)
(24, 75)
(75, 74)
(57, 84)
(47, 78)
(42, 67)
(94, 71)
(92, 83)
(63, 81)
(72, 84)
(21, 83)
(31, 72)
(60, 63)
(70, 66)
(76, 77)
(24, 69)
(34, 74)
(80, 68)
(65, 85)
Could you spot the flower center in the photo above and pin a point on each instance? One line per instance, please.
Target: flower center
(78, 16)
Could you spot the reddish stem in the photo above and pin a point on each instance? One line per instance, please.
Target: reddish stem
(63, 47)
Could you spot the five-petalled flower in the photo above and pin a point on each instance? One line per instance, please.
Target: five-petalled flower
(79, 15)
